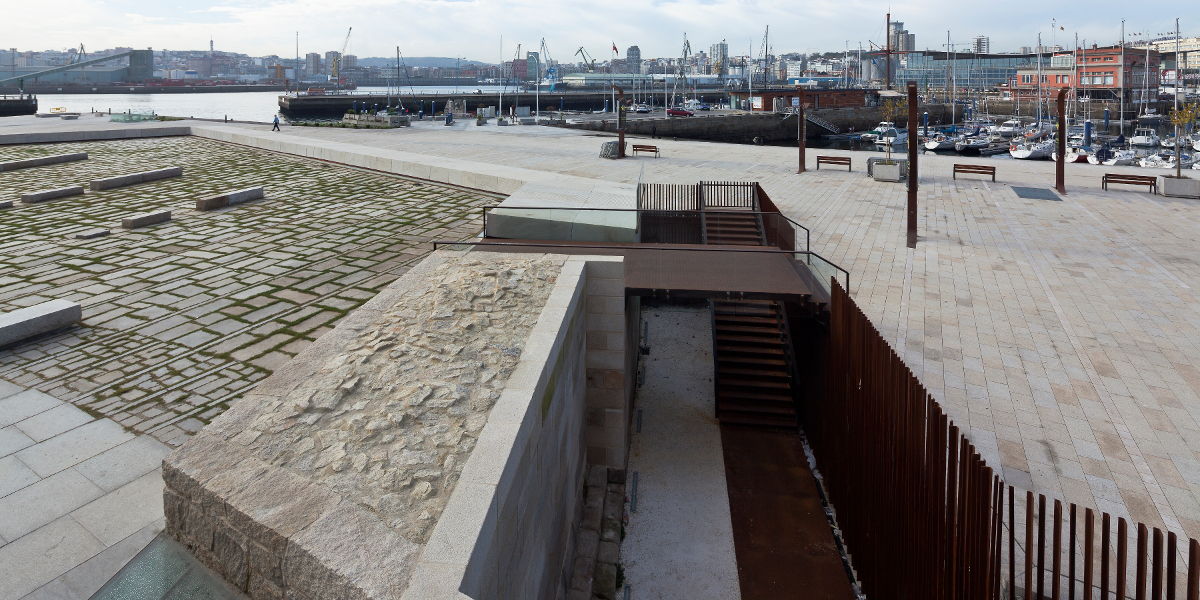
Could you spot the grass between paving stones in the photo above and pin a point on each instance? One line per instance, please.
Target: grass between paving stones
(152, 352)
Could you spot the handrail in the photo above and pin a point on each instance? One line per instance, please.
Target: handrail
(807, 231)
(667, 247)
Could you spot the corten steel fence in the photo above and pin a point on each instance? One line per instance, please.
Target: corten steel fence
(668, 196)
(924, 516)
(729, 194)
(699, 196)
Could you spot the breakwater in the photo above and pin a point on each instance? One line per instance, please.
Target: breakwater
(756, 128)
(336, 105)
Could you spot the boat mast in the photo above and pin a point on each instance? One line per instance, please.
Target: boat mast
(1178, 81)
(1039, 81)
(500, 111)
(1121, 79)
(887, 54)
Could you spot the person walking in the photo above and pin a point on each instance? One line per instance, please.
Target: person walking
(275, 124)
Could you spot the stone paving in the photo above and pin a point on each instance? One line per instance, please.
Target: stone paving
(79, 496)
(1063, 334)
(181, 318)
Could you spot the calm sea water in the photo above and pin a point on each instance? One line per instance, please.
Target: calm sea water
(238, 106)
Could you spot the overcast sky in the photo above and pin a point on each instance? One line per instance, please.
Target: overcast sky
(473, 28)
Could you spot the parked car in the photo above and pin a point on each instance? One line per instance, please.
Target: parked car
(676, 111)
(705, 107)
(641, 108)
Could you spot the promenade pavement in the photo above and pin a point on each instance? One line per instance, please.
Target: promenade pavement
(1062, 334)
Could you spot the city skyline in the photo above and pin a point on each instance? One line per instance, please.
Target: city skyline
(657, 28)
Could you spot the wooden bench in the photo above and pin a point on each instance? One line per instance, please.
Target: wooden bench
(834, 160)
(1149, 180)
(978, 169)
(645, 148)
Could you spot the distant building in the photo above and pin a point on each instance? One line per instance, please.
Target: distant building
(633, 59)
(330, 57)
(1189, 47)
(312, 63)
(718, 57)
(900, 39)
(982, 44)
(533, 67)
(931, 69)
(350, 61)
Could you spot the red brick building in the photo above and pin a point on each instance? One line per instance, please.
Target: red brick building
(1095, 72)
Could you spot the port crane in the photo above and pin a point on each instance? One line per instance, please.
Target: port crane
(335, 69)
(551, 68)
(587, 59)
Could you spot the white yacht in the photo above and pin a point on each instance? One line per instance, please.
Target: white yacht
(891, 137)
(1144, 136)
(1119, 158)
(941, 141)
(880, 129)
(1009, 128)
(1032, 150)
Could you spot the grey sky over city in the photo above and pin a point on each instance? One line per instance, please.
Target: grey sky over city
(473, 28)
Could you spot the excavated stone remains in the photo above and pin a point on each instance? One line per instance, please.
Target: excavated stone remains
(389, 423)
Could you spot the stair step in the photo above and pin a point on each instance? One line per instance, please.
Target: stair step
(755, 329)
(734, 337)
(752, 397)
(755, 361)
(772, 322)
(747, 301)
(740, 418)
(749, 349)
(750, 372)
(754, 383)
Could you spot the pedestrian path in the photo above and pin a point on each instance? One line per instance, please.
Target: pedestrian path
(79, 496)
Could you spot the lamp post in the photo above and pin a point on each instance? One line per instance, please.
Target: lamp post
(912, 164)
(801, 132)
(1060, 171)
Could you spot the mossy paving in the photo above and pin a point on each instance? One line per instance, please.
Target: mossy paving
(181, 318)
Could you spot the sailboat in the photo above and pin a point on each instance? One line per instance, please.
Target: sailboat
(1031, 150)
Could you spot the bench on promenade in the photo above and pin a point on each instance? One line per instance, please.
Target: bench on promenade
(977, 169)
(46, 195)
(132, 178)
(30, 321)
(13, 165)
(645, 148)
(146, 219)
(1130, 180)
(834, 160)
(229, 199)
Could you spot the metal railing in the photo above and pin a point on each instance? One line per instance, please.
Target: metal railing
(805, 257)
(777, 227)
(924, 516)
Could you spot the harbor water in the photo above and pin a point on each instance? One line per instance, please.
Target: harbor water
(237, 106)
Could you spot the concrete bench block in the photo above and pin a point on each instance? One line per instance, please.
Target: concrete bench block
(41, 161)
(89, 234)
(44, 195)
(146, 219)
(25, 323)
(6, 204)
(229, 199)
(133, 178)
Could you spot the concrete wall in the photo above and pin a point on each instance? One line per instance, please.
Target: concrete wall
(507, 531)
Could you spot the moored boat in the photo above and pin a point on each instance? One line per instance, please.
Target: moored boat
(1031, 150)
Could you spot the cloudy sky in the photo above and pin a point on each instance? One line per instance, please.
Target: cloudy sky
(473, 28)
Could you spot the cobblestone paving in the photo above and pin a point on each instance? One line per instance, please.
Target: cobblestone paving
(181, 318)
